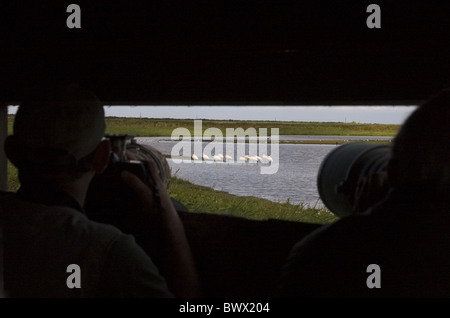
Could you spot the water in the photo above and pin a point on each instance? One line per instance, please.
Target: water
(295, 180)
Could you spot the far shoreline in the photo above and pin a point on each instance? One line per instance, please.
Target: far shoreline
(163, 127)
(300, 139)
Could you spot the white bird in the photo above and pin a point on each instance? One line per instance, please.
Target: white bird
(268, 158)
(194, 157)
(242, 159)
(217, 158)
(228, 157)
(205, 157)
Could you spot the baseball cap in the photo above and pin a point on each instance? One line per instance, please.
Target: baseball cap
(70, 119)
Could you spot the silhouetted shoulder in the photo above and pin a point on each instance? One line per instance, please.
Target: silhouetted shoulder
(52, 238)
(408, 243)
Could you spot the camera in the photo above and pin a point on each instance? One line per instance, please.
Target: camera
(118, 159)
(342, 171)
(108, 199)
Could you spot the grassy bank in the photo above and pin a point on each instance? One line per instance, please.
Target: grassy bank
(13, 178)
(203, 199)
(331, 142)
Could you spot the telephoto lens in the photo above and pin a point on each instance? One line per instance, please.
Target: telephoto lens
(342, 171)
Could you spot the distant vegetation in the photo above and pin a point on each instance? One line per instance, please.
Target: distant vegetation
(151, 127)
(143, 127)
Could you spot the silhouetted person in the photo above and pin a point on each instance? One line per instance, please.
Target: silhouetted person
(58, 147)
(399, 247)
(2, 290)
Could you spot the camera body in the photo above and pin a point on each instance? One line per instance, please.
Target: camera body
(109, 200)
(342, 171)
(118, 160)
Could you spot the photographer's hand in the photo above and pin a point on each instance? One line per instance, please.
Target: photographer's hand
(179, 267)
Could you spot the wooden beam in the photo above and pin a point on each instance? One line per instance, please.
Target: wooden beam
(226, 52)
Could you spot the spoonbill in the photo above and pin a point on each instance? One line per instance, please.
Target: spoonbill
(268, 158)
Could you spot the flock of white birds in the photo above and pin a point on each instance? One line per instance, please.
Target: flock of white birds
(219, 157)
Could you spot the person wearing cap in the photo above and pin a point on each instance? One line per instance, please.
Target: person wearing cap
(398, 247)
(51, 247)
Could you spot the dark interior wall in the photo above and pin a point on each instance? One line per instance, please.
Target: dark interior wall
(229, 52)
(237, 257)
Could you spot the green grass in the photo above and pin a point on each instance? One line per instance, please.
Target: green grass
(206, 200)
(332, 142)
(141, 127)
(151, 127)
(13, 178)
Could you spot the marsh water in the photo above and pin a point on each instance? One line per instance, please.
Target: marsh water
(294, 181)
